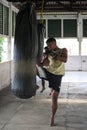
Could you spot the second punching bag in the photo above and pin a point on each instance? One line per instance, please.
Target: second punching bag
(40, 31)
(25, 52)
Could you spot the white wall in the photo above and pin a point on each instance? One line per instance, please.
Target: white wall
(76, 63)
(73, 63)
(5, 74)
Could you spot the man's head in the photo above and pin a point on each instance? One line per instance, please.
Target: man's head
(51, 43)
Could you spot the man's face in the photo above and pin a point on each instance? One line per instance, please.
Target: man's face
(52, 45)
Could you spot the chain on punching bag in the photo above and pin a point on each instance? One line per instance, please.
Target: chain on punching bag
(25, 52)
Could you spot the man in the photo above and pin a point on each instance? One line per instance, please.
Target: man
(54, 71)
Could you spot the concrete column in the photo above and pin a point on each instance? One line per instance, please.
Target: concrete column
(46, 28)
(79, 30)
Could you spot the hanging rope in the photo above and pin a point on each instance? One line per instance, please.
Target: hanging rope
(41, 14)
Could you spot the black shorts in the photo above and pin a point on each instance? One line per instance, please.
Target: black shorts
(54, 80)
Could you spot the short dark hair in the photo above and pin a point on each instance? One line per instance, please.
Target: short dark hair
(50, 40)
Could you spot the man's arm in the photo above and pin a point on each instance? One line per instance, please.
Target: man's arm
(63, 56)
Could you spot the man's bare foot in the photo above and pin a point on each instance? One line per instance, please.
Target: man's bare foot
(52, 122)
(42, 90)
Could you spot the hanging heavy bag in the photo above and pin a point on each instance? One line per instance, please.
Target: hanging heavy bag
(25, 52)
(40, 32)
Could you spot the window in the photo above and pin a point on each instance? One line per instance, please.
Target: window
(84, 27)
(70, 28)
(1, 18)
(54, 28)
(6, 20)
(4, 52)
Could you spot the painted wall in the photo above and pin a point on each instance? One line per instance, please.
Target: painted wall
(5, 74)
(76, 63)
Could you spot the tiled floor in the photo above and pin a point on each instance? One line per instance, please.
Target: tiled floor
(34, 113)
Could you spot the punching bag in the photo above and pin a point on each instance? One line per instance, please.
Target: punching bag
(25, 52)
(40, 32)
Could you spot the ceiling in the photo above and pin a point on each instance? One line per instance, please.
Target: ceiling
(56, 5)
